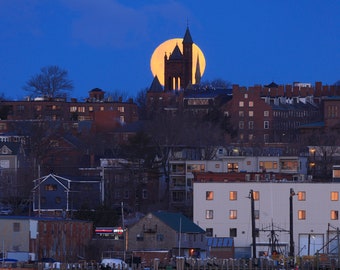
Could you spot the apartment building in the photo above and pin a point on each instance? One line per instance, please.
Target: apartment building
(236, 167)
(224, 209)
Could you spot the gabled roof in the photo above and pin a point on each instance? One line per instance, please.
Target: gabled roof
(176, 54)
(60, 180)
(187, 37)
(272, 85)
(178, 222)
(156, 85)
(14, 147)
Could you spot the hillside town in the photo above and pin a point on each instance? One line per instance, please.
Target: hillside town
(194, 170)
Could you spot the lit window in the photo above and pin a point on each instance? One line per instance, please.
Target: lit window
(209, 195)
(266, 113)
(256, 195)
(209, 214)
(73, 109)
(334, 215)
(232, 167)
(334, 196)
(233, 195)
(101, 108)
(302, 214)
(301, 196)
(245, 95)
(121, 109)
(251, 113)
(233, 232)
(50, 187)
(81, 109)
(233, 214)
(251, 103)
(241, 104)
(266, 124)
(90, 109)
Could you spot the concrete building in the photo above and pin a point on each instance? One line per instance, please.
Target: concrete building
(223, 209)
(237, 166)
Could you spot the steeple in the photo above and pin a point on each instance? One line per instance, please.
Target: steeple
(187, 37)
(198, 74)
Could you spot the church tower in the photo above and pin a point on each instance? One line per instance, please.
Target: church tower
(178, 66)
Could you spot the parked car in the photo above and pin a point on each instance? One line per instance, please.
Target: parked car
(114, 263)
(6, 211)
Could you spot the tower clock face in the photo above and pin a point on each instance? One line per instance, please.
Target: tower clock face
(157, 58)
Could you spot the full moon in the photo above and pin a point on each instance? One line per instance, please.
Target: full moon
(157, 58)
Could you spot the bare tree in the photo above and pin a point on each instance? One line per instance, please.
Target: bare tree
(52, 81)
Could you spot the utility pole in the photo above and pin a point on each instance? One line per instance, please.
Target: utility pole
(291, 230)
(253, 229)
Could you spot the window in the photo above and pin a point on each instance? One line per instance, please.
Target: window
(209, 214)
(266, 124)
(334, 196)
(209, 195)
(139, 237)
(233, 232)
(233, 214)
(58, 200)
(209, 232)
(266, 113)
(159, 237)
(251, 124)
(241, 125)
(251, 103)
(266, 137)
(301, 214)
(145, 193)
(334, 215)
(245, 95)
(301, 196)
(16, 227)
(256, 195)
(126, 194)
(232, 167)
(121, 109)
(195, 168)
(81, 109)
(251, 113)
(241, 104)
(122, 119)
(90, 109)
(241, 113)
(267, 165)
(50, 187)
(232, 195)
(73, 108)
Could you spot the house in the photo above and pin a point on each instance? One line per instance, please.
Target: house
(166, 231)
(281, 209)
(12, 171)
(64, 240)
(57, 195)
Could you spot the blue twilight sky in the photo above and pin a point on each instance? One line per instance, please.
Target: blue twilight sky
(109, 43)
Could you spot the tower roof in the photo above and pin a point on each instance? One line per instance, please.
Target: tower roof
(156, 85)
(187, 37)
(176, 53)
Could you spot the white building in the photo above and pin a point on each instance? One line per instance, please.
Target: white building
(224, 210)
